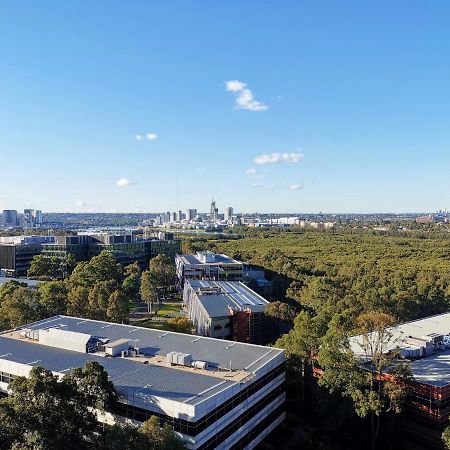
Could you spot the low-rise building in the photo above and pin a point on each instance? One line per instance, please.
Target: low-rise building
(214, 394)
(208, 266)
(426, 343)
(16, 253)
(227, 310)
(126, 248)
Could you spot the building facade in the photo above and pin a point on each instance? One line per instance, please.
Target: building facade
(227, 310)
(16, 253)
(208, 266)
(125, 247)
(214, 394)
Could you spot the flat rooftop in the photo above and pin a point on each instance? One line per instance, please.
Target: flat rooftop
(219, 258)
(128, 376)
(151, 342)
(227, 294)
(433, 369)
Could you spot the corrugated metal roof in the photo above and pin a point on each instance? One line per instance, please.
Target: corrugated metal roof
(129, 377)
(216, 352)
(232, 294)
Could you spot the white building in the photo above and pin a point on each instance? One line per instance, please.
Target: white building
(215, 394)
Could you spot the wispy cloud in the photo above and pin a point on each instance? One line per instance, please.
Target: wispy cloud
(276, 158)
(124, 182)
(150, 136)
(255, 174)
(244, 96)
(292, 187)
(80, 203)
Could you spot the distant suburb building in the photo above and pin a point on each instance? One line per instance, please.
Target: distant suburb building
(215, 394)
(16, 253)
(208, 266)
(126, 248)
(227, 310)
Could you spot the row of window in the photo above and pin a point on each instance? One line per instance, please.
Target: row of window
(230, 429)
(7, 377)
(194, 428)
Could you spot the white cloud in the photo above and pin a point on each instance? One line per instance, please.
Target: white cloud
(138, 137)
(244, 96)
(123, 182)
(151, 136)
(276, 158)
(80, 203)
(235, 85)
(251, 171)
(295, 187)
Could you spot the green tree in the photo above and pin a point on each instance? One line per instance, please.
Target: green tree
(446, 437)
(92, 384)
(132, 281)
(53, 298)
(180, 325)
(281, 310)
(163, 269)
(45, 267)
(102, 267)
(160, 437)
(9, 287)
(149, 289)
(362, 378)
(19, 307)
(151, 436)
(98, 299)
(118, 310)
(41, 403)
(78, 301)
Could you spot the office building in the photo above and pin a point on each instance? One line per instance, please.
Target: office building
(426, 343)
(208, 266)
(32, 218)
(16, 253)
(190, 214)
(213, 212)
(227, 310)
(228, 214)
(10, 218)
(126, 248)
(215, 394)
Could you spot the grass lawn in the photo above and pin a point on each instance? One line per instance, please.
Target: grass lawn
(167, 310)
(159, 325)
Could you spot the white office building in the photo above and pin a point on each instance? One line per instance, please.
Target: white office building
(215, 394)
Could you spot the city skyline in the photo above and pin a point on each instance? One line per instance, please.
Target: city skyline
(142, 107)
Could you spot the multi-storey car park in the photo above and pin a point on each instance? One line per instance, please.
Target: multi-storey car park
(214, 393)
(426, 343)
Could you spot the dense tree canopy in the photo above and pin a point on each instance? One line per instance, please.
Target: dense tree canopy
(43, 412)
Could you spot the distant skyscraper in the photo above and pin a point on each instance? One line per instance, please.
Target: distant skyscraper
(38, 218)
(228, 213)
(190, 214)
(214, 212)
(10, 218)
(28, 218)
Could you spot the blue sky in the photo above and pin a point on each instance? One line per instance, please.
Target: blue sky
(337, 106)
